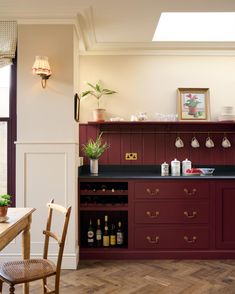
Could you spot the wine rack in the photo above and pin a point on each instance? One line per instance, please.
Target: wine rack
(97, 199)
(103, 195)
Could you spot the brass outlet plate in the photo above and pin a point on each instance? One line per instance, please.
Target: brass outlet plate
(131, 156)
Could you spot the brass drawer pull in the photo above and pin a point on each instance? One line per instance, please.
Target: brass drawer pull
(194, 214)
(152, 193)
(149, 239)
(152, 215)
(190, 193)
(188, 240)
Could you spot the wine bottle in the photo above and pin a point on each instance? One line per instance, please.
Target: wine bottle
(112, 236)
(106, 232)
(98, 234)
(90, 235)
(120, 235)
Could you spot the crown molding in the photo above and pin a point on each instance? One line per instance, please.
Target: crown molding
(42, 21)
(88, 44)
(173, 52)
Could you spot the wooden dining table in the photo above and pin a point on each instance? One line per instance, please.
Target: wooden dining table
(19, 220)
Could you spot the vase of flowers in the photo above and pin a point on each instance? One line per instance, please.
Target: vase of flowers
(98, 91)
(93, 149)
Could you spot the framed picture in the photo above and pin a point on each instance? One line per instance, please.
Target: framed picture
(76, 107)
(193, 104)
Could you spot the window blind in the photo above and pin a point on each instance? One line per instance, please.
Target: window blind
(8, 38)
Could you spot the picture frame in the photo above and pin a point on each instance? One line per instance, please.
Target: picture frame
(193, 104)
(76, 107)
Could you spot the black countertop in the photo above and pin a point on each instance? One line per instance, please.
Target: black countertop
(151, 172)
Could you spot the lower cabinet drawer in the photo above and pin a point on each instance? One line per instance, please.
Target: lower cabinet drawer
(185, 212)
(171, 238)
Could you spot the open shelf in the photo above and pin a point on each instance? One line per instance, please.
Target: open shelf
(103, 208)
(114, 216)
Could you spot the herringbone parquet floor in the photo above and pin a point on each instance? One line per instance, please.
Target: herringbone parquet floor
(147, 277)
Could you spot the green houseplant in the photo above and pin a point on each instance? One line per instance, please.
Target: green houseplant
(192, 103)
(5, 201)
(93, 149)
(98, 91)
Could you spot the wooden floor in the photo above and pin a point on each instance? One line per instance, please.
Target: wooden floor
(147, 277)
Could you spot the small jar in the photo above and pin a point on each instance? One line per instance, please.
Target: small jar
(164, 169)
(186, 164)
(175, 167)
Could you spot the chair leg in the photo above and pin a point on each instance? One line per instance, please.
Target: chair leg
(57, 283)
(12, 289)
(44, 285)
(1, 282)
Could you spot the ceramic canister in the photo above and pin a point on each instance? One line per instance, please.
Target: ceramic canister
(164, 169)
(186, 164)
(175, 167)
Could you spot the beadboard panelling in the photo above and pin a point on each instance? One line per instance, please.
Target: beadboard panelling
(155, 143)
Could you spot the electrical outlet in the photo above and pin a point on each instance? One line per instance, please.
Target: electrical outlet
(131, 156)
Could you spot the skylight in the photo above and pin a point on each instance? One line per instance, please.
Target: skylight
(196, 26)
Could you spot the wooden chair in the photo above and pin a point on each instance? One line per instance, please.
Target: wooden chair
(25, 271)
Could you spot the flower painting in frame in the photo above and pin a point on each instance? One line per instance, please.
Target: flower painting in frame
(193, 104)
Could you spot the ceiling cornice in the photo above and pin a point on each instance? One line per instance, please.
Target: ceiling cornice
(88, 44)
(42, 21)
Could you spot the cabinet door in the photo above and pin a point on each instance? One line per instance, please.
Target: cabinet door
(225, 215)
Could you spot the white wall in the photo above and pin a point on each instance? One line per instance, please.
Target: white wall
(149, 83)
(46, 147)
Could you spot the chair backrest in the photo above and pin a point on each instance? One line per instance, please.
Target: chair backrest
(48, 233)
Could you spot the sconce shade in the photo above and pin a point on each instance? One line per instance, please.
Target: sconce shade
(42, 68)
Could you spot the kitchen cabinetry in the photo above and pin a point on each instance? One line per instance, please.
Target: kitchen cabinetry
(172, 215)
(163, 217)
(225, 215)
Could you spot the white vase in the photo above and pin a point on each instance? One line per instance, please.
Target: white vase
(94, 166)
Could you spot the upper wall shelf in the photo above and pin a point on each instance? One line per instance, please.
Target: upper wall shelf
(156, 123)
(163, 127)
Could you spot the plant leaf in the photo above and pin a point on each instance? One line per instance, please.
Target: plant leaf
(92, 86)
(85, 93)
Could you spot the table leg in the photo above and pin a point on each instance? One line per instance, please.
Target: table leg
(26, 249)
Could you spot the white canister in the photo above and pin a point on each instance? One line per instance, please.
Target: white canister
(175, 167)
(164, 169)
(186, 164)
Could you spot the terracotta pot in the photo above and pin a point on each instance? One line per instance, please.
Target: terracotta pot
(192, 110)
(3, 211)
(99, 114)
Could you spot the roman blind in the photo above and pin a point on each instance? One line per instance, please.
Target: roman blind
(8, 37)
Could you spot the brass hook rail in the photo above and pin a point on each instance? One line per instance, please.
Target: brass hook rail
(169, 132)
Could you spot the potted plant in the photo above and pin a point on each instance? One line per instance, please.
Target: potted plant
(5, 201)
(192, 103)
(93, 149)
(98, 91)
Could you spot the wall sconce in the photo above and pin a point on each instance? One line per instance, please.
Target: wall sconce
(42, 68)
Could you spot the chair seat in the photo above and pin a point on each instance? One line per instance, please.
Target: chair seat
(17, 272)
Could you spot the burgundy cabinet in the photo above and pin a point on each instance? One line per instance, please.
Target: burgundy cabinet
(225, 215)
(161, 218)
(172, 215)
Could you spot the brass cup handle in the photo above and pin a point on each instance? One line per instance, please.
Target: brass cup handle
(194, 214)
(149, 239)
(190, 193)
(188, 240)
(152, 214)
(152, 193)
